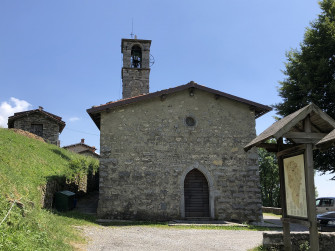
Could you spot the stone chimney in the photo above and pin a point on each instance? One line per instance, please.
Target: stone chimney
(82, 141)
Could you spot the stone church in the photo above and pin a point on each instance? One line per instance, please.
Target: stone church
(176, 153)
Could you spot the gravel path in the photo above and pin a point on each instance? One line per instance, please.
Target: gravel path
(155, 238)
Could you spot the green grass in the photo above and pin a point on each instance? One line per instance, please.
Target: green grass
(25, 166)
(247, 228)
(271, 214)
(259, 248)
(166, 225)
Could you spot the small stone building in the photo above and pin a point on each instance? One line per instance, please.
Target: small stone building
(176, 153)
(42, 123)
(82, 148)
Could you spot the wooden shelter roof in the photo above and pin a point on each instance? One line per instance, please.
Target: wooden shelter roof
(328, 140)
(291, 127)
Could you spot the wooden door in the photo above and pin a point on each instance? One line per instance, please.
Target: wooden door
(196, 194)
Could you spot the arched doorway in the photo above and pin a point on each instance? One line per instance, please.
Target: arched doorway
(196, 194)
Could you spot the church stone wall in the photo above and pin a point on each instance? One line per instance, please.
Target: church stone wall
(147, 150)
(135, 82)
(50, 127)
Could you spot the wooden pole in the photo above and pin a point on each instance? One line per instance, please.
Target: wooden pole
(310, 190)
(286, 225)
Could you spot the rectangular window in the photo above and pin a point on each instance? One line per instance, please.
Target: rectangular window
(327, 202)
(37, 129)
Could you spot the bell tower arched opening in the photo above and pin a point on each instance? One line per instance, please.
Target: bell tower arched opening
(136, 57)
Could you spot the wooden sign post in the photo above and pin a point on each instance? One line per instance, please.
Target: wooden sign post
(302, 130)
(310, 189)
(298, 189)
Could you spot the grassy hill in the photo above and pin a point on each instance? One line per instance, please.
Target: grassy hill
(25, 166)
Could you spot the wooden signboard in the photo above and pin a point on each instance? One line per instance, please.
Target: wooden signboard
(295, 188)
(302, 130)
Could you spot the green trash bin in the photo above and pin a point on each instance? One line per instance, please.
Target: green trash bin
(64, 200)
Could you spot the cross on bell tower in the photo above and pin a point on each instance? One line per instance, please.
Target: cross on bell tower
(136, 67)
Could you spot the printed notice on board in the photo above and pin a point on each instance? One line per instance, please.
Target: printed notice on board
(294, 174)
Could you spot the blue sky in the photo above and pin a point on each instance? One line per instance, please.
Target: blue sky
(65, 55)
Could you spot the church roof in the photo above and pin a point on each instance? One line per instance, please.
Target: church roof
(82, 143)
(94, 112)
(49, 115)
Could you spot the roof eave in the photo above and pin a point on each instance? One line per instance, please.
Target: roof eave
(327, 141)
(95, 116)
(49, 115)
(260, 109)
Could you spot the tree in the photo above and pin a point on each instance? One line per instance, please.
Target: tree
(310, 75)
(269, 178)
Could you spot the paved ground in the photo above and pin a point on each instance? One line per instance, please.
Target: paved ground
(104, 238)
(156, 238)
(275, 221)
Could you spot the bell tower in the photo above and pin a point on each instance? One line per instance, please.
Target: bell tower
(136, 67)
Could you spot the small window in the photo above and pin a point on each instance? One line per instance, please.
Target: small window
(37, 129)
(190, 121)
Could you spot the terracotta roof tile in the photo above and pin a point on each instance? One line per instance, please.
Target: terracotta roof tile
(92, 148)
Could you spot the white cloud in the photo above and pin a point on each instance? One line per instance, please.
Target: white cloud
(73, 119)
(9, 108)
